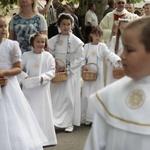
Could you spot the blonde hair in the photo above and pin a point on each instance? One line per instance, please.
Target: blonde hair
(34, 6)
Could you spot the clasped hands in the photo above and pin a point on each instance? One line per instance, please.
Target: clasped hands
(3, 79)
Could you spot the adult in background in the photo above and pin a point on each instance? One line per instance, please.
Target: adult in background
(108, 21)
(52, 13)
(130, 7)
(91, 20)
(111, 7)
(146, 10)
(45, 10)
(26, 22)
(76, 19)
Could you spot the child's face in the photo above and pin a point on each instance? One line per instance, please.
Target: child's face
(135, 59)
(95, 38)
(39, 43)
(3, 28)
(65, 26)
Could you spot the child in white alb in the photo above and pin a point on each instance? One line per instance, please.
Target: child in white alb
(39, 69)
(95, 51)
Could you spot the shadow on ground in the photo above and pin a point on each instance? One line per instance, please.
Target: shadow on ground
(71, 141)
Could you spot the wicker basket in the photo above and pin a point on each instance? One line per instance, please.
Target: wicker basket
(60, 76)
(89, 75)
(118, 73)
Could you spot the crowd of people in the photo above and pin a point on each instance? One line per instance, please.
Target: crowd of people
(52, 76)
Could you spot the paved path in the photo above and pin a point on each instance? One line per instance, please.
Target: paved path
(71, 141)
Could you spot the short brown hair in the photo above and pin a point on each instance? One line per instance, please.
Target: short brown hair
(97, 30)
(142, 25)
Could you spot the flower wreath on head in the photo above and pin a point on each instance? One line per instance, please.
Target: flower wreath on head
(67, 14)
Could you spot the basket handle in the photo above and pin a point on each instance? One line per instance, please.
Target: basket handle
(92, 64)
(61, 61)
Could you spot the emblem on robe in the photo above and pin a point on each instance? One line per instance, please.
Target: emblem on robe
(60, 42)
(93, 53)
(36, 66)
(136, 99)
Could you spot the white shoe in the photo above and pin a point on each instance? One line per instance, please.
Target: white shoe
(69, 129)
(87, 123)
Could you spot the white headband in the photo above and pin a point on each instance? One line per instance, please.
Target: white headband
(32, 36)
(67, 14)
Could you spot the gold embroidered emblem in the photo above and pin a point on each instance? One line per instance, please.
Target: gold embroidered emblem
(136, 99)
(60, 42)
(36, 66)
(93, 53)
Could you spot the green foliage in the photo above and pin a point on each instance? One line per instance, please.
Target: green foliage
(6, 5)
(72, 1)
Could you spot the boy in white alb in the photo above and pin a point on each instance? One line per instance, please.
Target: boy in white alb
(123, 108)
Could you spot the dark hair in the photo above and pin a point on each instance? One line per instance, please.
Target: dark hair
(65, 16)
(111, 3)
(96, 30)
(61, 9)
(90, 5)
(147, 4)
(31, 41)
(138, 12)
(143, 26)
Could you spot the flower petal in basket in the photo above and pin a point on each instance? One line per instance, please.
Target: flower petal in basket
(90, 75)
(60, 76)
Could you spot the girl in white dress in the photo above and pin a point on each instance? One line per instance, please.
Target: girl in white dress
(95, 51)
(39, 67)
(19, 129)
(66, 95)
(116, 47)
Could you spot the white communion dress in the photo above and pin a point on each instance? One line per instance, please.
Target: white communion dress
(19, 129)
(39, 96)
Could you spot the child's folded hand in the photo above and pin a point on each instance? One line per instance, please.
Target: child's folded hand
(3, 81)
